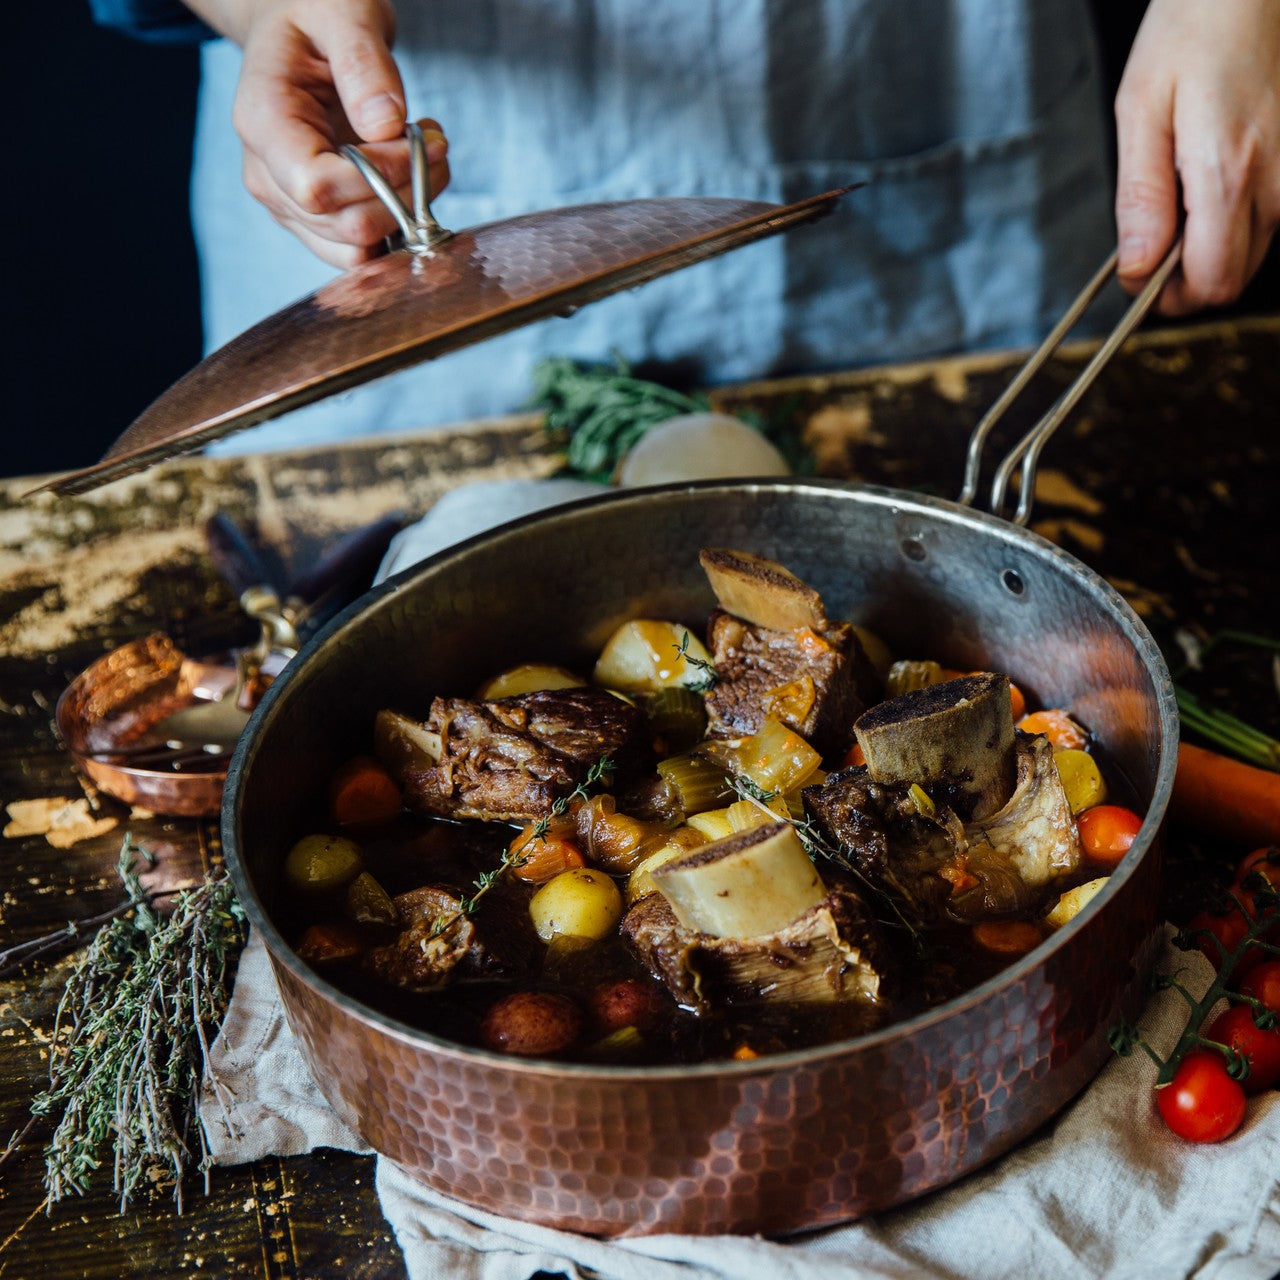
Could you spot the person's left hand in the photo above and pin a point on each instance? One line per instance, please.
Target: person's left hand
(1198, 127)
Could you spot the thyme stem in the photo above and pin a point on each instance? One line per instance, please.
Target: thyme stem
(130, 1040)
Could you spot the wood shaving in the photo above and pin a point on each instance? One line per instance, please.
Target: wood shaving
(1058, 488)
(62, 822)
(1086, 535)
(951, 382)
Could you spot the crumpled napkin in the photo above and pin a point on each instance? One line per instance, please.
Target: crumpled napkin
(1104, 1191)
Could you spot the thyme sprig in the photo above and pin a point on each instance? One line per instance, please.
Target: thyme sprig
(519, 854)
(709, 673)
(1124, 1038)
(131, 1037)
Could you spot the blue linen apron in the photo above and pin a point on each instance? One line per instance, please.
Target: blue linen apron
(976, 125)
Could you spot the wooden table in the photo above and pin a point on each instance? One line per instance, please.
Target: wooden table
(1165, 481)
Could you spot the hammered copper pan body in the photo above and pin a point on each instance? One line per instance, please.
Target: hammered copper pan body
(782, 1143)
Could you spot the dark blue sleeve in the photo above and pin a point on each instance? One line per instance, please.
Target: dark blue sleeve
(156, 21)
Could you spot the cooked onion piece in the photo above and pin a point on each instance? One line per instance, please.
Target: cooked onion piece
(649, 654)
(753, 883)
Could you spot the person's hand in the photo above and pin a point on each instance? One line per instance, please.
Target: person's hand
(1198, 127)
(317, 74)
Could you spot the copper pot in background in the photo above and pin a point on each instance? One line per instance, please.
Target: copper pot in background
(785, 1142)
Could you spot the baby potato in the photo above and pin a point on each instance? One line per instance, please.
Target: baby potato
(322, 864)
(532, 1024)
(1071, 903)
(625, 1002)
(578, 903)
(528, 677)
(1081, 779)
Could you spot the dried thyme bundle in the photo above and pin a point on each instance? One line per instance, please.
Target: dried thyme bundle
(130, 1040)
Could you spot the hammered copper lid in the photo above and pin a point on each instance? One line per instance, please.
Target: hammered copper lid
(411, 306)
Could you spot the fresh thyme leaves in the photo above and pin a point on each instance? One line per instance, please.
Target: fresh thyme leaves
(709, 673)
(130, 1038)
(518, 854)
(603, 410)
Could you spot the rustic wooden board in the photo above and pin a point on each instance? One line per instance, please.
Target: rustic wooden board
(1164, 481)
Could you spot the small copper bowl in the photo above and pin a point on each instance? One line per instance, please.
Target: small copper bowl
(110, 709)
(782, 1143)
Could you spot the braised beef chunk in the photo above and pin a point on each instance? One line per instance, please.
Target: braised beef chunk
(438, 944)
(879, 827)
(511, 759)
(436, 938)
(817, 682)
(826, 955)
(934, 866)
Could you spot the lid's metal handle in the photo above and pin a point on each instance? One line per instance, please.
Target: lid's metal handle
(418, 227)
(1027, 450)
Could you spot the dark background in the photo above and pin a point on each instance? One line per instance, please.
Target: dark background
(102, 290)
(103, 310)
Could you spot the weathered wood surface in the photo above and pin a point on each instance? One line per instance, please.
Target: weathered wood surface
(1165, 481)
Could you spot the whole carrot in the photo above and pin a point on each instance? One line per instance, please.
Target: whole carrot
(1226, 797)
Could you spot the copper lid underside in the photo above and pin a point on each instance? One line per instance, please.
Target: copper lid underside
(401, 309)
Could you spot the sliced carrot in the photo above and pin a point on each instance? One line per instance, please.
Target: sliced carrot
(1056, 725)
(1225, 797)
(1017, 701)
(537, 859)
(329, 943)
(1007, 937)
(744, 1053)
(363, 794)
(957, 874)
(852, 758)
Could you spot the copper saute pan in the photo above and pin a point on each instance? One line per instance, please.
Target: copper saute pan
(787, 1142)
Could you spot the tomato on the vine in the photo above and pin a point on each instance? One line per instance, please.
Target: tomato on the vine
(1260, 1048)
(1263, 984)
(1202, 1103)
(1264, 861)
(1228, 929)
(1107, 831)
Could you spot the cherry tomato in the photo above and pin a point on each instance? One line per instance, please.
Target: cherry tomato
(1263, 984)
(1237, 1028)
(1266, 862)
(1228, 928)
(1107, 831)
(1202, 1103)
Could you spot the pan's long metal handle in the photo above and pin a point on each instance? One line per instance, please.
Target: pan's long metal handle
(1027, 450)
(418, 226)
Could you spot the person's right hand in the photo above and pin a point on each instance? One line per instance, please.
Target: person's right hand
(317, 74)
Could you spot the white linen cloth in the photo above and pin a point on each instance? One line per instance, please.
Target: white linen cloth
(1105, 1191)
